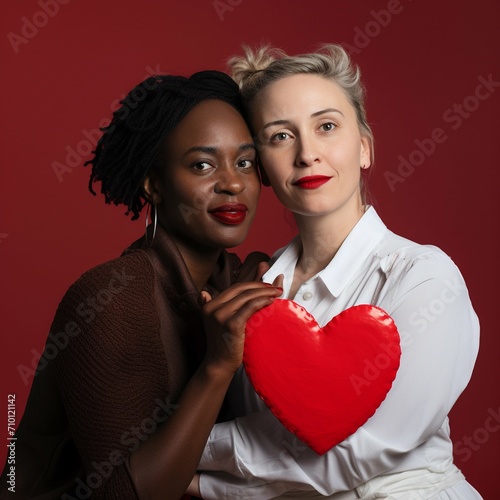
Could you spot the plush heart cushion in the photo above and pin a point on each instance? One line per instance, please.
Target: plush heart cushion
(321, 383)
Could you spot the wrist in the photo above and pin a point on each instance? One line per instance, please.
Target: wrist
(216, 372)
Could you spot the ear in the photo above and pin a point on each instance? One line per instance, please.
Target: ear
(151, 187)
(263, 176)
(365, 157)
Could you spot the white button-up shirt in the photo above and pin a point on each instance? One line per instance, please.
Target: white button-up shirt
(424, 292)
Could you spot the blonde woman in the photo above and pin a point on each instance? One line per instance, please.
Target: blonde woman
(315, 146)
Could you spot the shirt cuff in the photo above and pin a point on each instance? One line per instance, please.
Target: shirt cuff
(219, 452)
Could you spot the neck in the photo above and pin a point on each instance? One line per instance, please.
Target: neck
(321, 237)
(200, 261)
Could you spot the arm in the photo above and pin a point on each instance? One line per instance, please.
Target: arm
(133, 443)
(172, 454)
(439, 329)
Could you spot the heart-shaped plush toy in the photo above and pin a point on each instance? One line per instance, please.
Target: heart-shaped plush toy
(321, 383)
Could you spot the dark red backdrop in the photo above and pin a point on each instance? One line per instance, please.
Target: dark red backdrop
(432, 75)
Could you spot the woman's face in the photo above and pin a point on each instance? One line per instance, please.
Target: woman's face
(209, 187)
(310, 145)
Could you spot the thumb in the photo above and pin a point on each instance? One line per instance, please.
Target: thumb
(205, 297)
(262, 269)
(278, 281)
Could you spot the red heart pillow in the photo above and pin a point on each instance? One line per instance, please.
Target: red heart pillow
(321, 383)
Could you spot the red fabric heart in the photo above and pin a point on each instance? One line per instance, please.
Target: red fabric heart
(321, 383)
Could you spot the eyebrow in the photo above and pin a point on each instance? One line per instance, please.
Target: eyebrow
(314, 115)
(327, 110)
(211, 150)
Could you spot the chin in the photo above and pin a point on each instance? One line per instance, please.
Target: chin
(227, 241)
(233, 242)
(231, 236)
(312, 212)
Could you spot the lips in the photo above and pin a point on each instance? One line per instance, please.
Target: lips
(311, 181)
(230, 213)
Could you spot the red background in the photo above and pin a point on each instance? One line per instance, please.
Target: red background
(66, 75)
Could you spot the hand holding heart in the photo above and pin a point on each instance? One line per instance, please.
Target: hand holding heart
(225, 317)
(314, 379)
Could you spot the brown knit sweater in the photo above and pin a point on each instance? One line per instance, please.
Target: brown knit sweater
(126, 338)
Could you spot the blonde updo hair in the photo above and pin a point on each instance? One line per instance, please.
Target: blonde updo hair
(257, 69)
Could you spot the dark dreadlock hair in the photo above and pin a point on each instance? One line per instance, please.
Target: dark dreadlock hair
(131, 144)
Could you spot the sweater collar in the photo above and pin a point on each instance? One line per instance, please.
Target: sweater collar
(173, 273)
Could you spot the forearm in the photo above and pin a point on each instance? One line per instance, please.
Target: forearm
(164, 465)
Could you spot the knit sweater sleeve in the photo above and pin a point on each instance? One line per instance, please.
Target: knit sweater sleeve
(112, 374)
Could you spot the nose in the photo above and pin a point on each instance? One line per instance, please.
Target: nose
(229, 182)
(307, 153)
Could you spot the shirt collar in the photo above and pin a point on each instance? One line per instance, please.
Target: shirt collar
(358, 245)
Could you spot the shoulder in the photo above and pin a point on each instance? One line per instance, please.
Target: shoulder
(110, 300)
(122, 274)
(412, 264)
(108, 325)
(397, 251)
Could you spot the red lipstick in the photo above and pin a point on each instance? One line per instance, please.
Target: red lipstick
(230, 213)
(311, 181)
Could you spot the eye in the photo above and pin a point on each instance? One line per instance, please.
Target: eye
(280, 136)
(246, 164)
(202, 166)
(328, 126)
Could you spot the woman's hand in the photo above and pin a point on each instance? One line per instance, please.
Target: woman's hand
(225, 318)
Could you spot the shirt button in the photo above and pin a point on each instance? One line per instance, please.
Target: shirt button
(307, 296)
